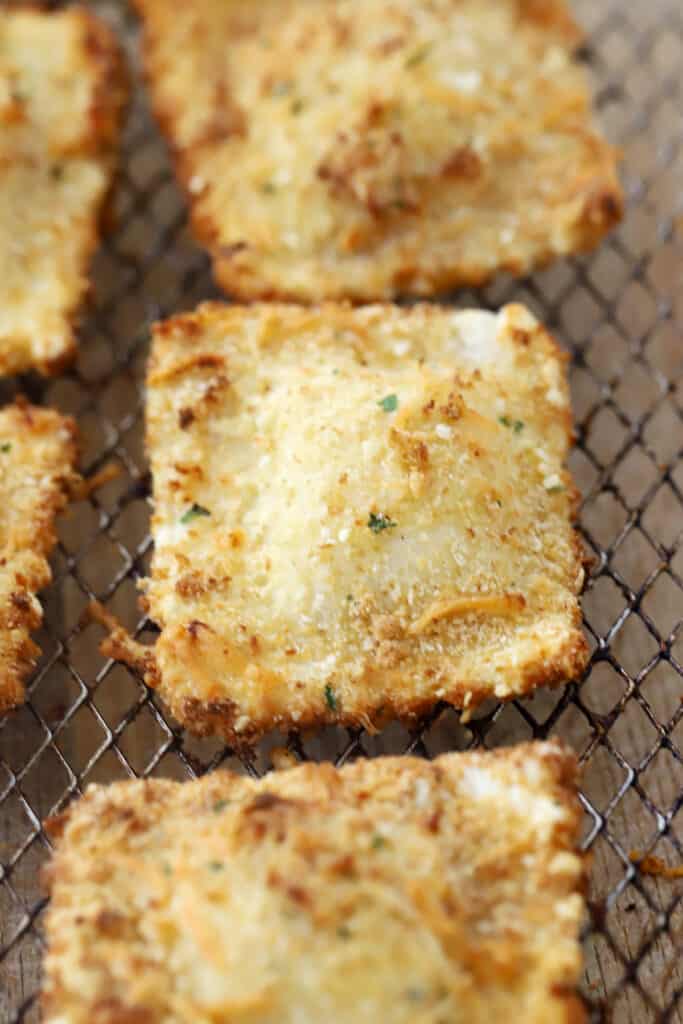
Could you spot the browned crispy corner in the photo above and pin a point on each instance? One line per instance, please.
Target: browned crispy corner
(554, 17)
(60, 121)
(119, 644)
(398, 147)
(358, 513)
(385, 890)
(37, 457)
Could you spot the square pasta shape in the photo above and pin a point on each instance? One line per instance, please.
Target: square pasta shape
(335, 149)
(37, 456)
(62, 94)
(358, 513)
(391, 890)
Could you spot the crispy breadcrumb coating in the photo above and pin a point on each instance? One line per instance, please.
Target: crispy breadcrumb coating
(62, 94)
(358, 513)
(393, 890)
(37, 456)
(360, 150)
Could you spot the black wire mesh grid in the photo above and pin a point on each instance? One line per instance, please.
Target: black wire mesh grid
(620, 314)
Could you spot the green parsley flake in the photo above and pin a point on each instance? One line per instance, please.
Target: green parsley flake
(216, 865)
(378, 841)
(194, 512)
(268, 188)
(557, 489)
(330, 698)
(220, 805)
(515, 425)
(418, 55)
(297, 106)
(5, 447)
(389, 403)
(343, 931)
(379, 521)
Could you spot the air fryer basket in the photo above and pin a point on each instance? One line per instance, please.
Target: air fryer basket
(620, 315)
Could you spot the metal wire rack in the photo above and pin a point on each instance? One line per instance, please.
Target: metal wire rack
(620, 313)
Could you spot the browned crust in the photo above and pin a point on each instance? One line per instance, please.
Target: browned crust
(561, 758)
(112, 91)
(219, 717)
(107, 116)
(188, 325)
(120, 646)
(19, 652)
(601, 208)
(270, 805)
(554, 16)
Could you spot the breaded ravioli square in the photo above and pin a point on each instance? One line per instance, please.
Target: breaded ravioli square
(62, 92)
(357, 513)
(37, 456)
(347, 149)
(394, 890)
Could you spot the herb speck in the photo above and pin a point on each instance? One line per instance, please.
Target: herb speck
(216, 865)
(379, 521)
(194, 512)
(330, 698)
(220, 805)
(343, 931)
(5, 447)
(389, 403)
(516, 425)
(418, 55)
(378, 841)
(297, 106)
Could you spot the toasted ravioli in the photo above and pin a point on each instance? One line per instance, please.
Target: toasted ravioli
(358, 513)
(335, 148)
(393, 890)
(61, 98)
(37, 455)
